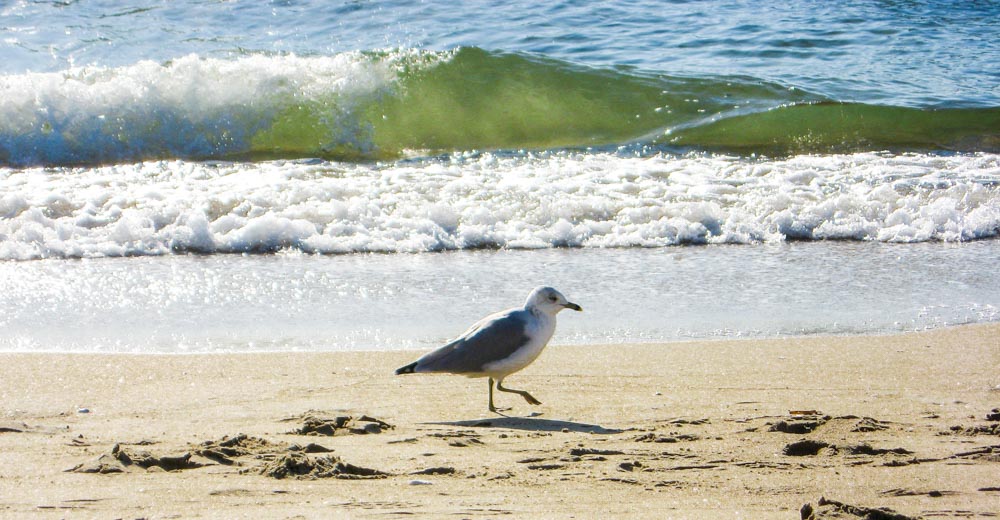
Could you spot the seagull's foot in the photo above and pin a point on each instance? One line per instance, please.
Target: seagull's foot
(499, 411)
(527, 397)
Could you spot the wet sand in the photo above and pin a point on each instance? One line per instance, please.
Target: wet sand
(835, 427)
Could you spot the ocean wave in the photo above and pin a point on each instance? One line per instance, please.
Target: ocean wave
(197, 108)
(361, 106)
(471, 201)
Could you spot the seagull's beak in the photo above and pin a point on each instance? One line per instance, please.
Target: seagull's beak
(575, 307)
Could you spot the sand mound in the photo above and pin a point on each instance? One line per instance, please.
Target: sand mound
(121, 458)
(300, 466)
(315, 424)
(834, 509)
(281, 460)
(226, 449)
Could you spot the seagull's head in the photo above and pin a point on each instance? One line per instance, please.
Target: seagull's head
(549, 301)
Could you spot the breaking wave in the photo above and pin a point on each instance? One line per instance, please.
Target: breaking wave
(363, 106)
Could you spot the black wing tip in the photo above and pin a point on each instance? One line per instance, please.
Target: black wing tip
(408, 369)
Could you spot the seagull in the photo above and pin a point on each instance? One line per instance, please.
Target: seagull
(499, 344)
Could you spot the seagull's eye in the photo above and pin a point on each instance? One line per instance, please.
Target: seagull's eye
(553, 298)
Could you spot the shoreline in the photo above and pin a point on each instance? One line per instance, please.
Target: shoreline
(417, 350)
(266, 303)
(692, 429)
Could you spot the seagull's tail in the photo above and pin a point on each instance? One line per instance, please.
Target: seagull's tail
(408, 369)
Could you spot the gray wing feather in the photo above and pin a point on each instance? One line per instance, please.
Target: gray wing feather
(493, 338)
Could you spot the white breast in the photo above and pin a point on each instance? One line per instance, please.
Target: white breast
(539, 336)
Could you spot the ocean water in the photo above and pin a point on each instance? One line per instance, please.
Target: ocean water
(303, 302)
(203, 176)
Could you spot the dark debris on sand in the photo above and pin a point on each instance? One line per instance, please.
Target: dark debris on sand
(983, 453)
(809, 447)
(805, 448)
(980, 429)
(992, 428)
(669, 439)
(13, 427)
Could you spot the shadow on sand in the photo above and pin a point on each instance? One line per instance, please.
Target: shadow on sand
(532, 424)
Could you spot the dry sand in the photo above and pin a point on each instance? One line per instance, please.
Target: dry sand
(707, 429)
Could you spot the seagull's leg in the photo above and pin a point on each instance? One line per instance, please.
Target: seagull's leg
(494, 409)
(522, 393)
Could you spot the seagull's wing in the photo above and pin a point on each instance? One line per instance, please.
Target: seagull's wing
(491, 339)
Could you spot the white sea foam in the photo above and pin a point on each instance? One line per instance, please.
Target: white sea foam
(491, 200)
